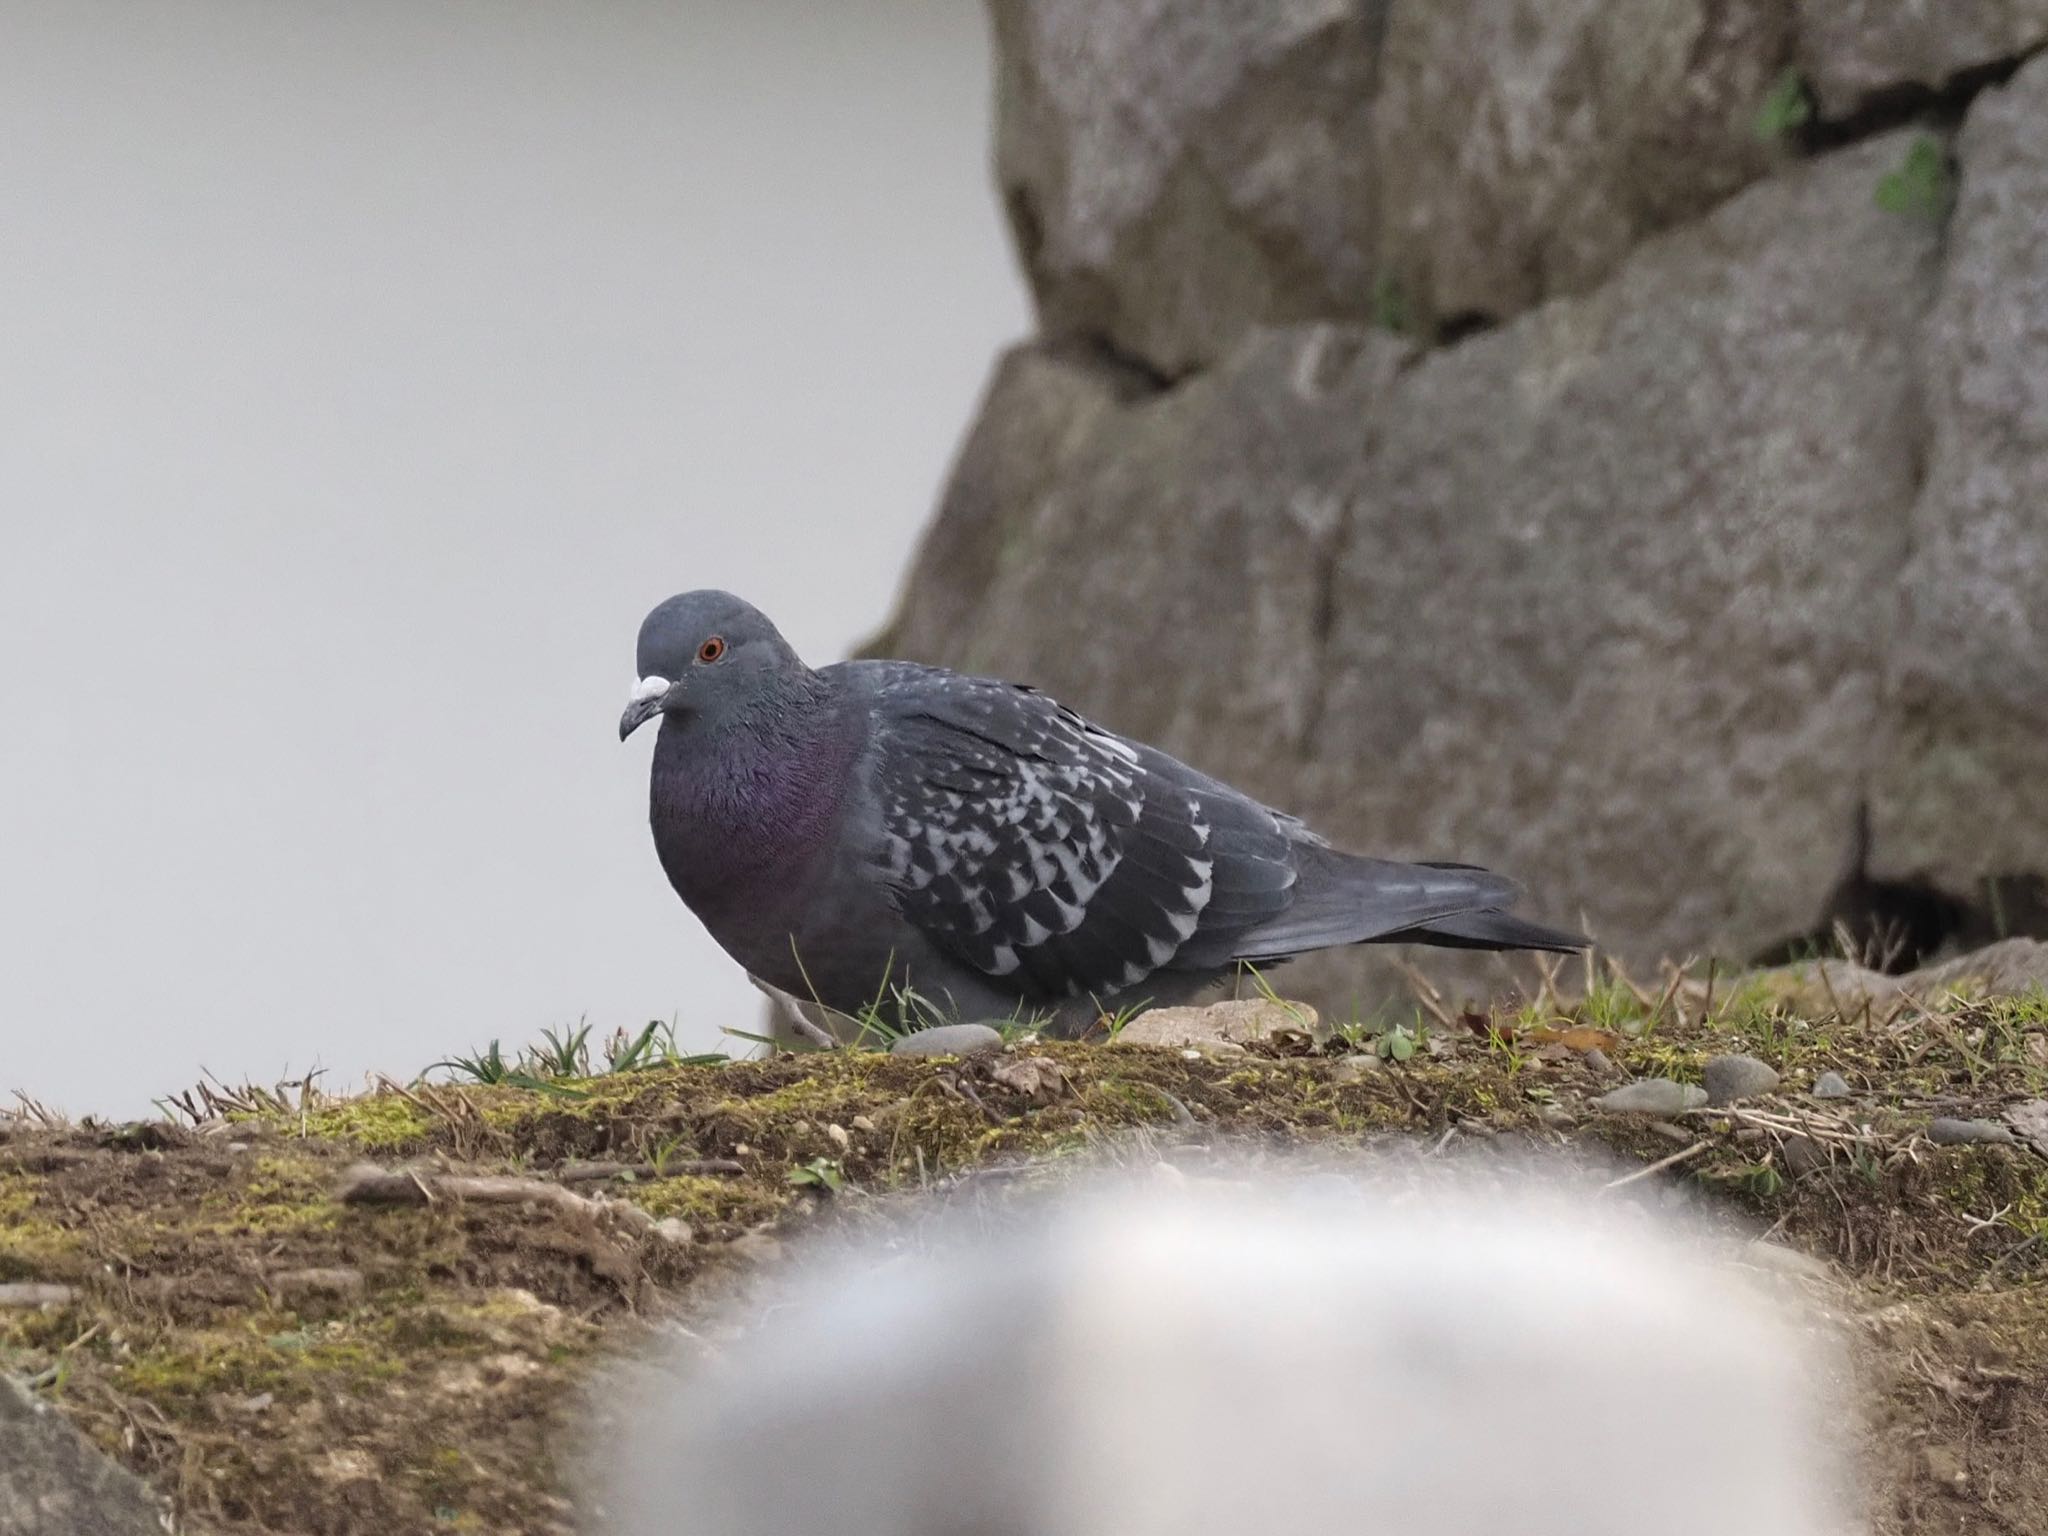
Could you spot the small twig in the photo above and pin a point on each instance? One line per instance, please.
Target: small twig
(367, 1184)
(389, 1086)
(1547, 966)
(1642, 998)
(33, 1294)
(1425, 994)
(1664, 998)
(1659, 1166)
(590, 1173)
(1828, 986)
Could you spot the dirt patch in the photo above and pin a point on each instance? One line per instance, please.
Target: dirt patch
(281, 1353)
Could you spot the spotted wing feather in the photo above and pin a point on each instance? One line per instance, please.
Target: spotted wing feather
(1042, 849)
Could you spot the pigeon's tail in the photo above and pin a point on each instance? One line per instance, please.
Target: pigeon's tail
(1490, 930)
(1340, 898)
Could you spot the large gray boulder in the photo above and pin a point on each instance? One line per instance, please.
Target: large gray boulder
(1612, 613)
(1858, 52)
(1707, 592)
(1177, 171)
(1526, 146)
(54, 1483)
(1589, 597)
(1961, 783)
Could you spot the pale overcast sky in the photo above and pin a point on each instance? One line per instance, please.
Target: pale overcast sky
(367, 369)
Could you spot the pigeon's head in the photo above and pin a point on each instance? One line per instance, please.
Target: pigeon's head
(701, 655)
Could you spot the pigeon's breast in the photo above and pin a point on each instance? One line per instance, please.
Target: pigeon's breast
(745, 833)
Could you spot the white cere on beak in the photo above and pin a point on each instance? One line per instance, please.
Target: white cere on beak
(649, 688)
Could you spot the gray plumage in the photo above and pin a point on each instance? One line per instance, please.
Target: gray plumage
(877, 829)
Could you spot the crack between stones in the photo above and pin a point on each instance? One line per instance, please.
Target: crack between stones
(1901, 105)
(1330, 553)
(1894, 924)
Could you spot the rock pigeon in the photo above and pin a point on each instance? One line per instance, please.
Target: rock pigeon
(880, 835)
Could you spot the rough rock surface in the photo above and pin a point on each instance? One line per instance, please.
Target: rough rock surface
(2010, 968)
(1178, 172)
(1603, 615)
(1489, 602)
(1855, 51)
(1961, 791)
(1710, 585)
(53, 1483)
(1579, 128)
(1175, 171)
(1227, 1023)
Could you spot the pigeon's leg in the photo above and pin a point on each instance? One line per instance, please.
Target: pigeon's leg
(795, 1021)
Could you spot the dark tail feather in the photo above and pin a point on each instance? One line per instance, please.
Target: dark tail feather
(1489, 930)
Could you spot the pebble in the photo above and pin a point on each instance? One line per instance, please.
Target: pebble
(1596, 1061)
(1652, 1096)
(1351, 1068)
(1804, 1155)
(948, 1040)
(1729, 1079)
(1955, 1133)
(1831, 1085)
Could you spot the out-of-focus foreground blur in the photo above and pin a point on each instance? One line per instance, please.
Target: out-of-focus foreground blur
(1415, 1356)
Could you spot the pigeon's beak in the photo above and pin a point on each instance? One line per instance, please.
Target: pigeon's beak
(644, 705)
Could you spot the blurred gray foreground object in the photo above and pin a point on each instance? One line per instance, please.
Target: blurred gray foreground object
(1161, 1361)
(952, 847)
(53, 1482)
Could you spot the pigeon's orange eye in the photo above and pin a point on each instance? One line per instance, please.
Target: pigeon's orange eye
(711, 650)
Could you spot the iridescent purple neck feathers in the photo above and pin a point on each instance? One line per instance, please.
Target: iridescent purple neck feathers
(740, 812)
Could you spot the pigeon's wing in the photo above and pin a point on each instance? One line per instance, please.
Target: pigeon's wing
(1039, 848)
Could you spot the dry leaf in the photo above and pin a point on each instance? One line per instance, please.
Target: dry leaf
(1035, 1077)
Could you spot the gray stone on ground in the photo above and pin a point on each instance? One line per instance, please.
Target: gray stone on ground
(948, 1040)
(1804, 1155)
(2009, 968)
(1832, 1085)
(1949, 1132)
(53, 1482)
(1652, 1096)
(2029, 1120)
(1731, 1078)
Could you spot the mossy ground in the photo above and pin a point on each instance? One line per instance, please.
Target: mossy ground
(284, 1361)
